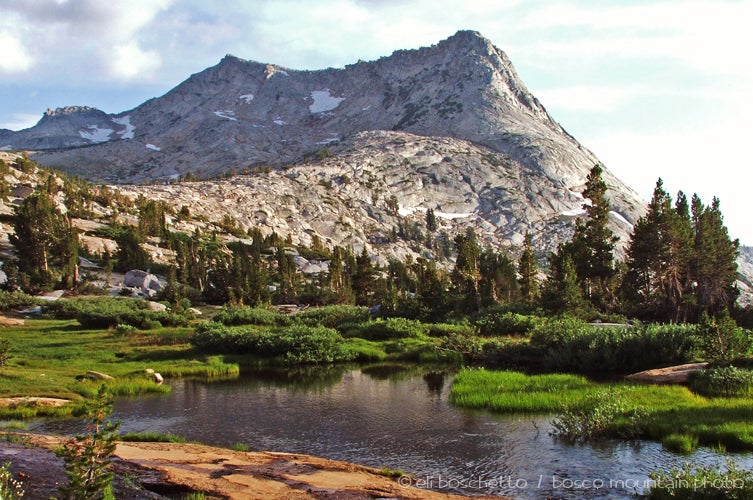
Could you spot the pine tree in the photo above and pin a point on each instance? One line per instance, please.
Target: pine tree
(431, 221)
(528, 272)
(41, 233)
(498, 281)
(466, 275)
(715, 266)
(592, 246)
(130, 253)
(648, 256)
(363, 279)
(562, 293)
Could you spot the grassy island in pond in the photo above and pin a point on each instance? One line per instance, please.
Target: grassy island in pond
(654, 412)
(50, 358)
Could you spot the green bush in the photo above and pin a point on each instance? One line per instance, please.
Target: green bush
(231, 315)
(213, 337)
(683, 444)
(391, 328)
(702, 482)
(293, 344)
(728, 381)
(303, 344)
(107, 312)
(572, 345)
(331, 316)
(721, 339)
(451, 330)
(602, 414)
(508, 323)
(10, 301)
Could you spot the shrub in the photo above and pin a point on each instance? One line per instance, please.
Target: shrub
(508, 323)
(293, 344)
(331, 316)
(701, 482)
(16, 300)
(728, 381)
(230, 315)
(391, 328)
(680, 443)
(572, 345)
(303, 344)
(107, 312)
(721, 339)
(210, 336)
(451, 330)
(87, 457)
(600, 415)
(10, 489)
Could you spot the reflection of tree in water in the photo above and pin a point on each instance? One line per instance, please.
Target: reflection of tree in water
(391, 371)
(435, 382)
(299, 378)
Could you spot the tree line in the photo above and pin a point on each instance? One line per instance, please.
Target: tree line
(680, 261)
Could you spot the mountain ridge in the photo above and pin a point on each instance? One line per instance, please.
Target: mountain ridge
(506, 161)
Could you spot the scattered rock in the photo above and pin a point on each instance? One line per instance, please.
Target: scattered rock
(6, 321)
(679, 374)
(98, 375)
(34, 401)
(157, 307)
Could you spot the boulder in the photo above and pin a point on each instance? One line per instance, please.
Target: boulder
(98, 375)
(136, 278)
(679, 374)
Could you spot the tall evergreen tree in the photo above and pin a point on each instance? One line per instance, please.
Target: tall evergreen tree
(42, 234)
(528, 273)
(466, 275)
(715, 266)
(363, 279)
(498, 281)
(561, 293)
(592, 246)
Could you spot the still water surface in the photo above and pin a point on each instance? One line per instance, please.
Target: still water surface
(399, 418)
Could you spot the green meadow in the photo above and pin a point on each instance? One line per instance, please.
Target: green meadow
(50, 358)
(671, 414)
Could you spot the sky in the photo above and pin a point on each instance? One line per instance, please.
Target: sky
(659, 88)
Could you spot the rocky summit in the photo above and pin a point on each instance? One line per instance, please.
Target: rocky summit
(449, 127)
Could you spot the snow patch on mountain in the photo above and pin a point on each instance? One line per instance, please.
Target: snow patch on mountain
(153, 147)
(573, 213)
(227, 114)
(247, 97)
(129, 131)
(451, 216)
(96, 134)
(324, 101)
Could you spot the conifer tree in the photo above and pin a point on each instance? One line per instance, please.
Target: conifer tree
(528, 273)
(466, 275)
(592, 246)
(431, 220)
(562, 293)
(42, 233)
(714, 265)
(363, 279)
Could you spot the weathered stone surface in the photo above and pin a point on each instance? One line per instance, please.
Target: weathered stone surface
(679, 374)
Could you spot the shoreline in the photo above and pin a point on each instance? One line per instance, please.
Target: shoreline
(180, 468)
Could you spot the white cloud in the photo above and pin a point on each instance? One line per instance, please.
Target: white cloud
(14, 57)
(20, 121)
(587, 98)
(129, 61)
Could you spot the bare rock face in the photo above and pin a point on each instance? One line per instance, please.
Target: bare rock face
(449, 127)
